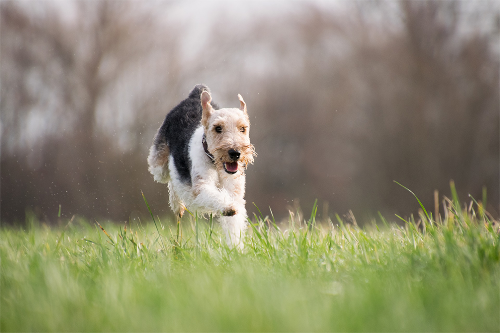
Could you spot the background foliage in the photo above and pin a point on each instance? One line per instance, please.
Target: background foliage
(344, 98)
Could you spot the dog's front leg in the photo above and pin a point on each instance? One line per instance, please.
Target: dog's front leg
(216, 200)
(234, 227)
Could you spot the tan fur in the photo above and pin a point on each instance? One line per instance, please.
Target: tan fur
(161, 157)
(182, 209)
(158, 162)
(235, 126)
(243, 105)
(197, 184)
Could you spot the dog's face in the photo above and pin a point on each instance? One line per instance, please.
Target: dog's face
(227, 135)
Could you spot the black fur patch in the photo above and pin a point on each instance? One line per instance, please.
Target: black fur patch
(178, 127)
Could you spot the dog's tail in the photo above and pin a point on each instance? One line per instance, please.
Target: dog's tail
(197, 90)
(196, 94)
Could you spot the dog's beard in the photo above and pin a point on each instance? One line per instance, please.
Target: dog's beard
(225, 163)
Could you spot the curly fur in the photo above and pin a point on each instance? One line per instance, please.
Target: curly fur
(195, 181)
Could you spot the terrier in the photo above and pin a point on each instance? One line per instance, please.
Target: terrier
(201, 152)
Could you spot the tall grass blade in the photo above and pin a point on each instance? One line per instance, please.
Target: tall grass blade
(454, 195)
(154, 220)
(105, 232)
(420, 203)
(312, 219)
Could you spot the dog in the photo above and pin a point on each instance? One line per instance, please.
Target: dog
(202, 151)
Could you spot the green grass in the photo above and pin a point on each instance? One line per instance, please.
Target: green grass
(424, 276)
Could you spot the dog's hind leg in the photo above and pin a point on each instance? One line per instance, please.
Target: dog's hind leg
(158, 161)
(178, 208)
(176, 203)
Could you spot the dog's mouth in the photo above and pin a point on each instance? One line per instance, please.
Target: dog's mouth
(231, 167)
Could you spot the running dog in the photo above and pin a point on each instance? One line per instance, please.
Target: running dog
(202, 151)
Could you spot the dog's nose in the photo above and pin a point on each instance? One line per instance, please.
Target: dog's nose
(234, 154)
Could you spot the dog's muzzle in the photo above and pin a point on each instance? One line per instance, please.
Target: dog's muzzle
(232, 167)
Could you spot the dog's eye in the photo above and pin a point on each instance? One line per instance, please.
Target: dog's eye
(243, 129)
(218, 129)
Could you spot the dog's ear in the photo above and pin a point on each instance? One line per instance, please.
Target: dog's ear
(207, 107)
(243, 105)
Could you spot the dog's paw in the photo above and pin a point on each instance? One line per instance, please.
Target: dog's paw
(229, 212)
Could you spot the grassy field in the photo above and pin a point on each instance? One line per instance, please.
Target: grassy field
(425, 275)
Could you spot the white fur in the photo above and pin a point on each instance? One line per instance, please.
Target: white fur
(211, 191)
(159, 172)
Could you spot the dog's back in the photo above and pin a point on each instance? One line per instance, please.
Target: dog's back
(174, 135)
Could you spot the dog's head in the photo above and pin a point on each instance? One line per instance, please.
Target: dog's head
(227, 135)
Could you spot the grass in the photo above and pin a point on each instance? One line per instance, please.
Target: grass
(427, 275)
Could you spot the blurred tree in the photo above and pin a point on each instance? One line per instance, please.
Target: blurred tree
(62, 142)
(347, 103)
(343, 100)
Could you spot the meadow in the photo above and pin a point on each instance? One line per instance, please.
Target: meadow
(420, 274)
